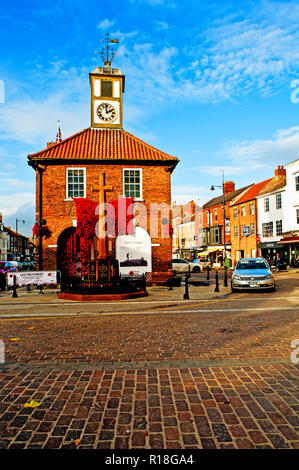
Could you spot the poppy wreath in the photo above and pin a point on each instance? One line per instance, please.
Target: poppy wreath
(86, 222)
(118, 223)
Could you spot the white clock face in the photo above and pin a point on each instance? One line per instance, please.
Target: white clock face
(106, 112)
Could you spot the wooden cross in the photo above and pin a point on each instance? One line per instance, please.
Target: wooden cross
(102, 240)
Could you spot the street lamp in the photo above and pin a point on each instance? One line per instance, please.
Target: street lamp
(17, 221)
(224, 223)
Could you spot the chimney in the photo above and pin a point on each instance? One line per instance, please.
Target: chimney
(0, 217)
(50, 144)
(280, 171)
(228, 187)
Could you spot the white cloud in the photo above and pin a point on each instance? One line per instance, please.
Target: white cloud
(16, 203)
(33, 120)
(184, 193)
(106, 24)
(249, 157)
(281, 149)
(162, 25)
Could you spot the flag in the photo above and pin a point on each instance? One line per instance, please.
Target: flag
(58, 136)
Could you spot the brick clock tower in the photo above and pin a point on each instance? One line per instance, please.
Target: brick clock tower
(71, 169)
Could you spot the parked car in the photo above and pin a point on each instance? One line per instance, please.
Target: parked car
(182, 265)
(204, 261)
(7, 267)
(197, 266)
(26, 266)
(252, 273)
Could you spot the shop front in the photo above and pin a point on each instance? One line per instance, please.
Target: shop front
(273, 251)
(290, 245)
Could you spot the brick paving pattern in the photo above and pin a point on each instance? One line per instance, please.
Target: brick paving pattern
(173, 381)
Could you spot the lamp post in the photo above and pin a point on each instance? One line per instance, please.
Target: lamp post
(17, 222)
(224, 224)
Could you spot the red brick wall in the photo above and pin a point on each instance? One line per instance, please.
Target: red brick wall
(60, 213)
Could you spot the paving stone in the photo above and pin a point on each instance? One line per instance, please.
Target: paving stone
(156, 441)
(221, 432)
(277, 441)
(118, 400)
(121, 443)
(138, 438)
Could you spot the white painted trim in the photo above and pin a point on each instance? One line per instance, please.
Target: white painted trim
(137, 199)
(66, 180)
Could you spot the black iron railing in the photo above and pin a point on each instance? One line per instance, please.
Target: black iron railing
(117, 285)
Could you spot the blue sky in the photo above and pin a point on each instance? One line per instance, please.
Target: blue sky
(212, 82)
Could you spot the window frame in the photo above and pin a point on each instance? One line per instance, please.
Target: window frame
(67, 197)
(243, 211)
(266, 204)
(276, 225)
(266, 233)
(278, 197)
(297, 183)
(140, 198)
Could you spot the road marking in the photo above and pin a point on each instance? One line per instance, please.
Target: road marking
(42, 316)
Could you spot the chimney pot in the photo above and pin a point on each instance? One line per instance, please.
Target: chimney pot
(228, 187)
(280, 171)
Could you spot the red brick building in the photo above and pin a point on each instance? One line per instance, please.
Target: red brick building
(133, 168)
(213, 238)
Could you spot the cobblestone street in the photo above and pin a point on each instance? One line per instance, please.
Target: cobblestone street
(201, 375)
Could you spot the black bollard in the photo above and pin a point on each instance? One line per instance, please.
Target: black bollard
(14, 288)
(217, 283)
(225, 276)
(186, 295)
(208, 272)
(170, 282)
(41, 289)
(28, 288)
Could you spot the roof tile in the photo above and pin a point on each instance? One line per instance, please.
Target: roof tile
(252, 192)
(102, 144)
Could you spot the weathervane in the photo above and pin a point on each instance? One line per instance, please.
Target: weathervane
(107, 53)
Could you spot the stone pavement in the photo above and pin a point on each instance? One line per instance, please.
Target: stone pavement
(212, 380)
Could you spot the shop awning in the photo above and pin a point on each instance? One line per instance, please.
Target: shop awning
(288, 240)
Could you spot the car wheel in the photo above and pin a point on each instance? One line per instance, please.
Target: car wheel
(196, 269)
(233, 290)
